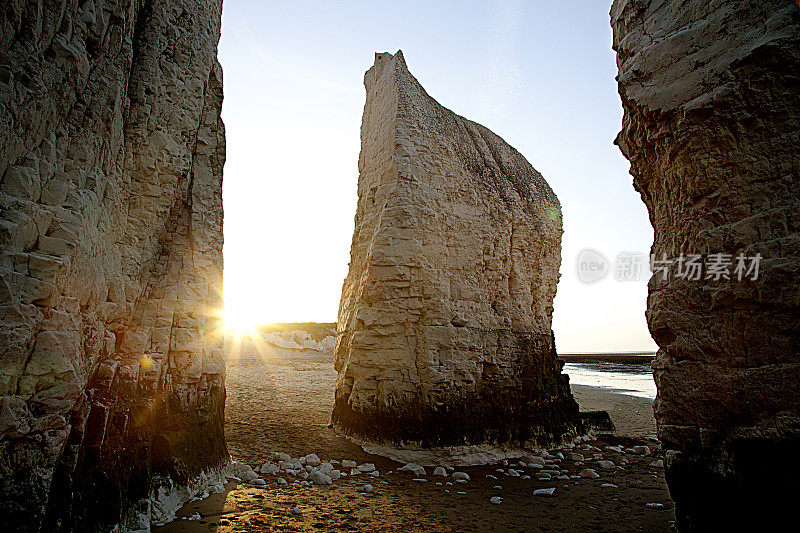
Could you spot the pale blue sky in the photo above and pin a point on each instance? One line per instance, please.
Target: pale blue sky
(540, 74)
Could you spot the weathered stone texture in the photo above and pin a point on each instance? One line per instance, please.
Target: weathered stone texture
(711, 94)
(111, 154)
(444, 331)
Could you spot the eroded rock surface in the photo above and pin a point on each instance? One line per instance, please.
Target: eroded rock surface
(711, 93)
(111, 154)
(444, 331)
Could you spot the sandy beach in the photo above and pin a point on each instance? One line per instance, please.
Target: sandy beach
(280, 402)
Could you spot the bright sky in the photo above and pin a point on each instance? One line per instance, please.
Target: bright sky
(539, 74)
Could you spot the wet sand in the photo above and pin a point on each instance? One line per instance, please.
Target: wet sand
(280, 401)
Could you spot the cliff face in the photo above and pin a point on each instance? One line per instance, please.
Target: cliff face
(111, 155)
(444, 331)
(711, 93)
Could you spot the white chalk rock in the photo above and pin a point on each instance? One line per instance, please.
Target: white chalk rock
(319, 478)
(414, 468)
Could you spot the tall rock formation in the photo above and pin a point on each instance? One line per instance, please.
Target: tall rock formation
(111, 154)
(444, 331)
(711, 93)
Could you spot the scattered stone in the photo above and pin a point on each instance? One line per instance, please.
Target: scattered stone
(577, 457)
(366, 467)
(319, 478)
(420, 479)
(347, 463)
(658, 463)
(513, 473)
(414, 468)
(655, 505)
(609, 486)
(297, 511)
(375, 473)
(496, 500)
(460, 476)
(439, 471)
(312, 459)
(548, 492)
(606, 465)
(589, 473)
(282, 481)
(641, 450)
(367, 489)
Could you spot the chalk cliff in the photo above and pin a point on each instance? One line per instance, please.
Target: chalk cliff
(111, 155)
(444, 330)
(711, 94)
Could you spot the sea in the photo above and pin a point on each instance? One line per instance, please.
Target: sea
(625, 375)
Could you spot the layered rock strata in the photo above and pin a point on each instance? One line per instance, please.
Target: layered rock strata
(111, 155)
(444, 332)
(711, 94)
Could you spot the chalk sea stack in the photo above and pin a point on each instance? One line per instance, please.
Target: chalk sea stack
(111, 155)
(711, 94)
(444, 331)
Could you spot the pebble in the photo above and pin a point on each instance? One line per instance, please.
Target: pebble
(654, 505)
(498, 487)
(438, 483)
(496, 500)
(577, 457)
(297, 510)
(321, 479)
(258, 481)
(545, 492)
(414, 468)
(461, 492)
(420, 479)
(282, 481)
(658, 463)
(641, 450)
(609, 486)
(367, 467)
(460, 476)
(347, 463)
(367, 488)
(312, 459)
(617, 449)
(491, 476)
(439, 471)
(533, 460)
(589, 473)
(375, 473)
(526, 476)
(544, 477)
(513, 473)
(607, 465)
